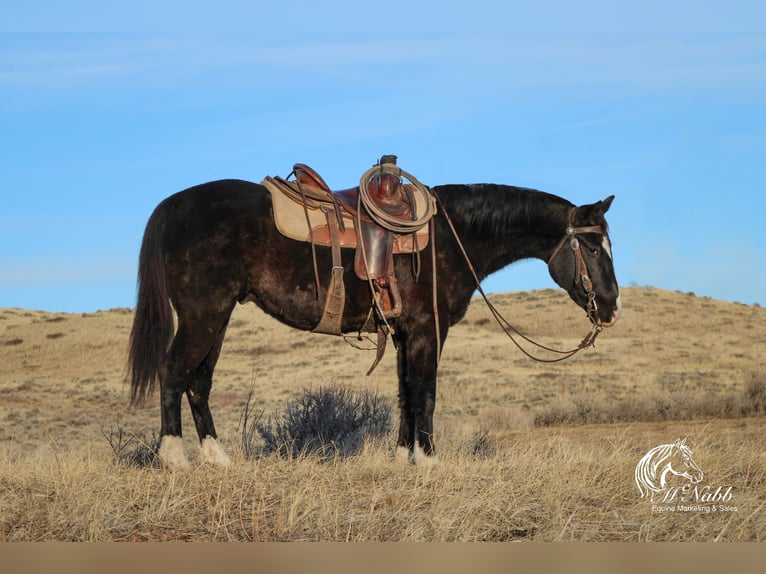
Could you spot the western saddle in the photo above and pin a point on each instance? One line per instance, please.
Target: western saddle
(380, 217)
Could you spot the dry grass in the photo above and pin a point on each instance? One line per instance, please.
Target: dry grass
(545, 485)
(676, 365)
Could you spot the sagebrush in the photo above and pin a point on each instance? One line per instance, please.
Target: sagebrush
(328, 421)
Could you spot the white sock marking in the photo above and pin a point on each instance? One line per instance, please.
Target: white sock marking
(172, 452)
(213, 452)
(422, 459)
(402, 455)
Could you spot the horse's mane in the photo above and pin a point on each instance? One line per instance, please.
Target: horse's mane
(503, 209)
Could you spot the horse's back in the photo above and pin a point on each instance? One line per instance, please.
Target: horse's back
(206, 210)
(215, 195)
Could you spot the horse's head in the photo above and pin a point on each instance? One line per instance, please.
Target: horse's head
(682, 463)
(582, 264)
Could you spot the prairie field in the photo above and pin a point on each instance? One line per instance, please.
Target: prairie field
(527, 451)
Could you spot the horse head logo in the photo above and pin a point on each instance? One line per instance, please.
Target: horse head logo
(663, 462)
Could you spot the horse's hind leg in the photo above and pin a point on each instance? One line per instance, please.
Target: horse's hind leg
(198, 394)
(189, 366)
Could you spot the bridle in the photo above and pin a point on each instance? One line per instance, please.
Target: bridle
(581, 269)
(581, 275)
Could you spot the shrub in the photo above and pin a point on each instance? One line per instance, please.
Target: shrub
(750, 400)
(133, 449)
(329, 422)
(755, 392)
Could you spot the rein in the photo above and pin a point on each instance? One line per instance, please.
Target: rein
(581, 275)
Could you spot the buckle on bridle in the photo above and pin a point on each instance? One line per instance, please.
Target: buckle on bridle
(574, 243)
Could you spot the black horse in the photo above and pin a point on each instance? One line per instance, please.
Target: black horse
(212, 246)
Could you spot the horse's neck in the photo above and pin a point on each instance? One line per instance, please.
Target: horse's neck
(502, 224)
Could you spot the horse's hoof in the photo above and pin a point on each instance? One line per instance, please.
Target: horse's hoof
(213, 453)
(172, 453)
(424, 460)
(402, 455)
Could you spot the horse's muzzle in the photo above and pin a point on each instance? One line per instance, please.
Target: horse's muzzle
(615, 315)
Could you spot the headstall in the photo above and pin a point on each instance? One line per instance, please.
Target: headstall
(581, 269)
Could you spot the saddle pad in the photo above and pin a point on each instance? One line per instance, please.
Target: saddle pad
(290, 219)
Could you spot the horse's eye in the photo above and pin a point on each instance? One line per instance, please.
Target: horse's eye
(595, 251)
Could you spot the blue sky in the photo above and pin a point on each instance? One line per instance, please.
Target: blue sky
(663, 106)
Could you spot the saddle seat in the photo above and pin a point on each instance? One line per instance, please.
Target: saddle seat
(386, 191)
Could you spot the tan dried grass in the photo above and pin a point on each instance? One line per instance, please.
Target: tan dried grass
(500, 478)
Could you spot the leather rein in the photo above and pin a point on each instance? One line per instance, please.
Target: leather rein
(581, 276)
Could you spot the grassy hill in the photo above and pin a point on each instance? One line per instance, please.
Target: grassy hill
(528, 450)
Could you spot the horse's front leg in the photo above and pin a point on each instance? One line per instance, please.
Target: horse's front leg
(417, 364)
(406, 440)
(425, 401)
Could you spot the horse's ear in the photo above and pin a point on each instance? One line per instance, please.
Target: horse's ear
(594, 212)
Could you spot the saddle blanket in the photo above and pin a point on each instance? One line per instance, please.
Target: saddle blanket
(290, 219)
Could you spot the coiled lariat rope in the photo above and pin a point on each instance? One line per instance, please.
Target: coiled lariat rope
(385, 220)
(588, 341)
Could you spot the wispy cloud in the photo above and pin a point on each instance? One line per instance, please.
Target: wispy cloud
(625, 62)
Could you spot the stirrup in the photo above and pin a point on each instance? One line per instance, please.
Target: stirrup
(390, 290)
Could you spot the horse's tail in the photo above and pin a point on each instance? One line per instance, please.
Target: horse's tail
(153, 324)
